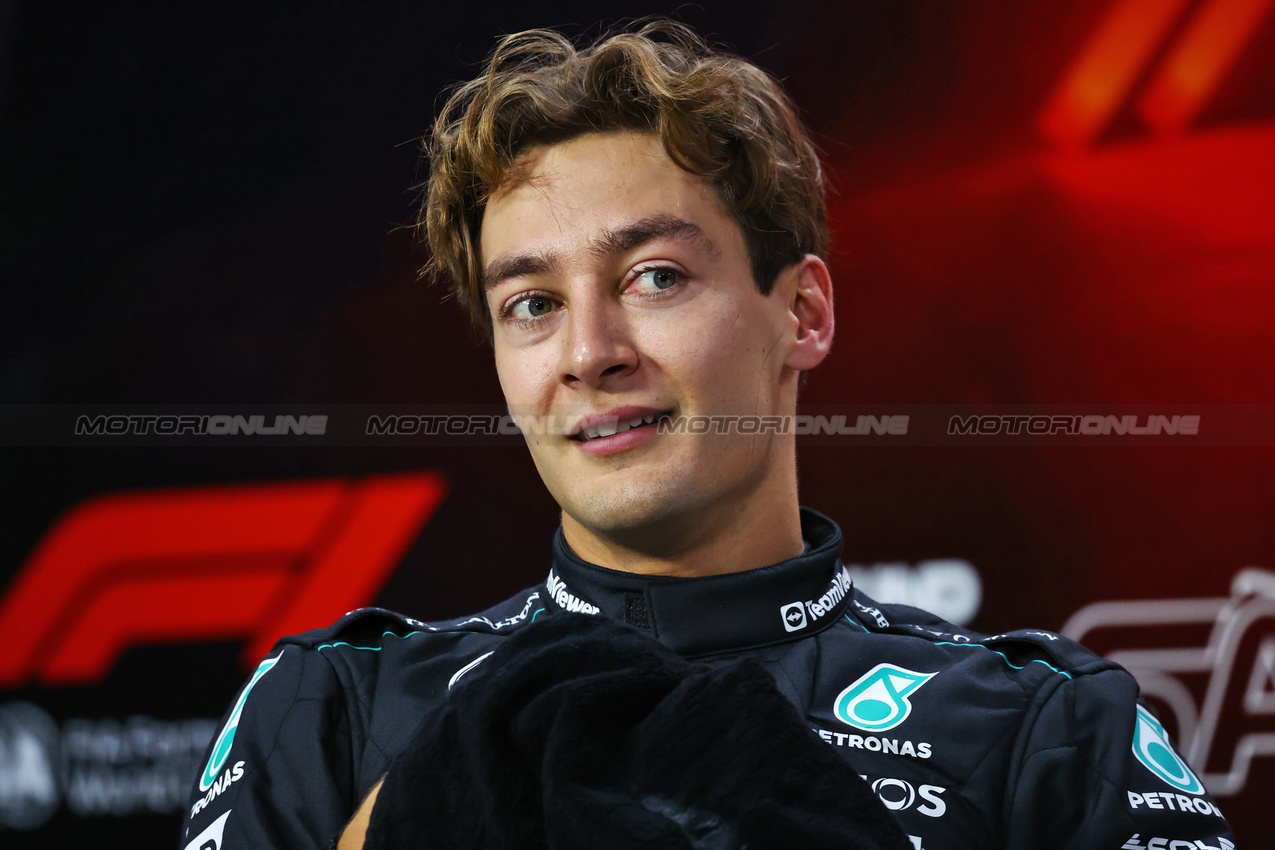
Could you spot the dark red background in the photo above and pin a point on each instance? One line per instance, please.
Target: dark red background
(200, 207)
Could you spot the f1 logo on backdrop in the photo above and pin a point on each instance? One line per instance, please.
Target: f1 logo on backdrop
(1223, 647)
(258, 561)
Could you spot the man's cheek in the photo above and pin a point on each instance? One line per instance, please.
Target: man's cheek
(538, 444)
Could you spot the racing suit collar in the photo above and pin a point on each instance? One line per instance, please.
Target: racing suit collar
(698, 616)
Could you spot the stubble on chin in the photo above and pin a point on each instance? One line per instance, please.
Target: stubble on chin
(623, 507)
(660, 511)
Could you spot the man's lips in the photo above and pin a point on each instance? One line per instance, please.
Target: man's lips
(597, 426)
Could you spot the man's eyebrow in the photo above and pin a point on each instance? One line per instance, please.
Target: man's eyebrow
(608, 244)
(517, 265)
(644, 230)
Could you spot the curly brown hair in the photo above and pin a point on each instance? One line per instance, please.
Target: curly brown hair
(718, 117)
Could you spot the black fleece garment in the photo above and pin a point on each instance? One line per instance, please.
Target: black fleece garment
(569, 735)
(587, 733)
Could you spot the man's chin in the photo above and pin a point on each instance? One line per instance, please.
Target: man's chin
(611, 519)
(635, 521)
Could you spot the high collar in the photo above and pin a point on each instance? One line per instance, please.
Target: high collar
(719, 613)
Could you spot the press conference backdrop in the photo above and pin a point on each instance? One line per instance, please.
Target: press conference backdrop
(1049, 403)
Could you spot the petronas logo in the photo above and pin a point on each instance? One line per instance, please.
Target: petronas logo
(225, 740)
(1152, 748)
(878, 700)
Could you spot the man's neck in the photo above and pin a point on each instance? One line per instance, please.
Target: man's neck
(763, 532)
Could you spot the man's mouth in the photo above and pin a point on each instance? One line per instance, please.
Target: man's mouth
(610, 426)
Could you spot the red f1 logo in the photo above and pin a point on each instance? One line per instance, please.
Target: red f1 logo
(256, 561)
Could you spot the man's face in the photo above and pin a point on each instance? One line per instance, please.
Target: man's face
(621, 292)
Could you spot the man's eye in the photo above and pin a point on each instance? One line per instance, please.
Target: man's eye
(658, 279)
(532, 308)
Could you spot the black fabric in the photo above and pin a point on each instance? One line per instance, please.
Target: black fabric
(586, 733)
(1017, 741)
(635, 613)
(748, 609)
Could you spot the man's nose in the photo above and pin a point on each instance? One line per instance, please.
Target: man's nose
(598, 345)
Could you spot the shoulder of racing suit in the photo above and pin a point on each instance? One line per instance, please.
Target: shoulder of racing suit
(320, 718)
(1029, 740)
(1017, 647)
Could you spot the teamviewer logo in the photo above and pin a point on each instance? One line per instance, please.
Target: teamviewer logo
(794, 616)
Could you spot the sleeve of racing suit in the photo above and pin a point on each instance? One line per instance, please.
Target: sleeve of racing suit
(1095, 770)
(278, 772)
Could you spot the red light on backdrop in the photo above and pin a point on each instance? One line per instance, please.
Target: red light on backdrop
(1199, 60)
(1106, 69)
(1102, 76)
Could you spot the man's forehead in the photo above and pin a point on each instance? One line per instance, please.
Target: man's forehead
(588, 192)
(618, 152)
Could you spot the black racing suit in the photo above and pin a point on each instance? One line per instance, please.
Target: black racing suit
(1023, 740)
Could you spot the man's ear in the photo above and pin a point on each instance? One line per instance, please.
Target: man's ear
(809, 294)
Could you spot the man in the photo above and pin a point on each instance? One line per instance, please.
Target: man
(640, 227)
